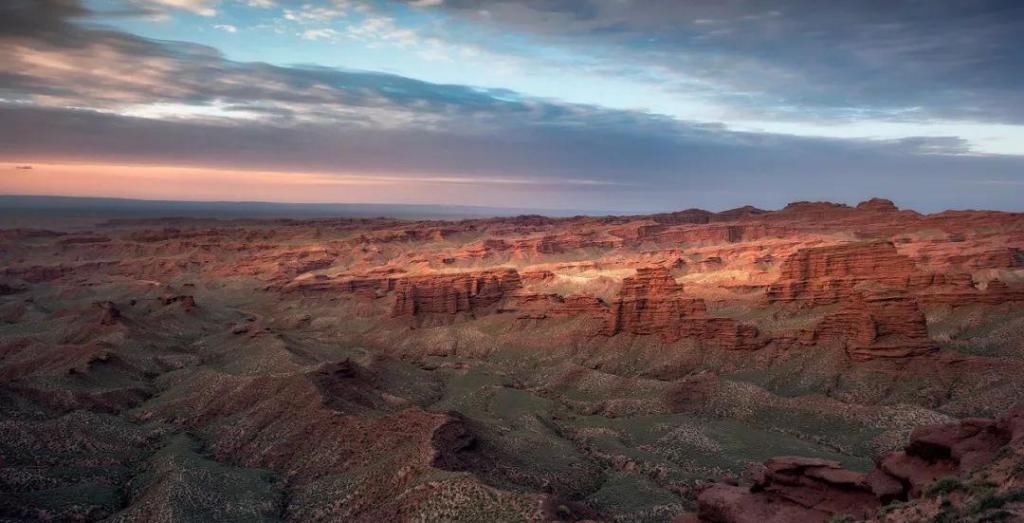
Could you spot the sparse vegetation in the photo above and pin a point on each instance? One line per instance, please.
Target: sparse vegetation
(945, 486)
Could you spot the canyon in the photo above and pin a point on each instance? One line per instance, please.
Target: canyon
(816, 362)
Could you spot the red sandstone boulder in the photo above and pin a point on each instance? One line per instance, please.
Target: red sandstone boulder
(790, 489)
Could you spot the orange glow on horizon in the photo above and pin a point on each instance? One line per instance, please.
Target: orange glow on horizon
(161, 182)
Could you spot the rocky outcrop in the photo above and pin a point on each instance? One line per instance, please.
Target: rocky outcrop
(451, 294)
(652, 302)
(877, 205)
(813, 490)
(556, 244)
(1003, 258)
(83, 239)
(879, 324)
(538, 306)
(109, 313)
(788, 489)
(537, 276)
(824, 275)
(581, 305)
(532, 247)
(747, 211)
(370, 284)
(410, 235)
(709, 234)
(814, 210)
(449, 440)
(186, 302)
(695, 216)
(959, 289)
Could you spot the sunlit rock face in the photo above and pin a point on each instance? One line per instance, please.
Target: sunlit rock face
(652, 302)
(824, 275)
(452, 294)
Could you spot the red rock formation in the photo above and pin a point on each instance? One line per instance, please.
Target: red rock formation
(480, 250)
(958, 289)
(581, 305)
(531, 305)
(1001, 292)
(790, 489)
(927, 281)
(815, 210)
(537, 276)
(747, 211)
(877, 205)
(698, 216)
(410, 235)
(555, 244)
(371, 284)
(938, 451)
(824, 275)
(450, 294)
(1006, 258)
(84, 239)
(710, 234)
(534, 247)
(812, 490)
(879, 324)
(653, 303)
(537, 306)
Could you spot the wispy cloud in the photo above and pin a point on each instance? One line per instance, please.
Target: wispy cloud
(200, 7)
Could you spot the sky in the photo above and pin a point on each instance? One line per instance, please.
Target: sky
(590, 105)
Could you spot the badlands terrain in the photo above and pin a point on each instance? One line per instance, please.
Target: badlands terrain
(822, 362)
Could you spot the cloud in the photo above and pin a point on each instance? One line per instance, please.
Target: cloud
(228, 28)
(316, 14)
(607, 162)
(792, 59)
(319, 34)
(936, 144)
(79, 93)
(199, 7)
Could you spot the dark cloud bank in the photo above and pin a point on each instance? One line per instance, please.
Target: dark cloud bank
(305, 118)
